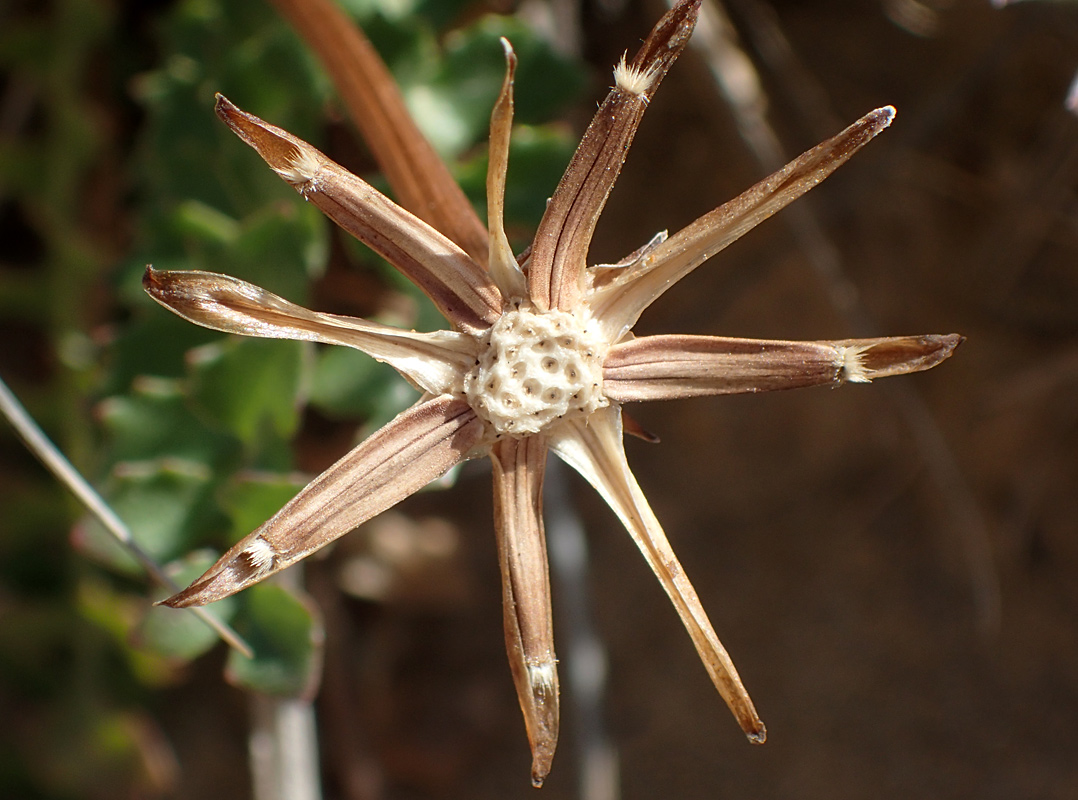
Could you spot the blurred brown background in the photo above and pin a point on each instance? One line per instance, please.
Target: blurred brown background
(851, 559)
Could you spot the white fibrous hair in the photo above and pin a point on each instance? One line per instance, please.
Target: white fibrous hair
(851, 366)
(632, 79)
(541, 677)
(302, 171)
(261, 556)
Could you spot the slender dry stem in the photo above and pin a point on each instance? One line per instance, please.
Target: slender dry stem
(48, 454)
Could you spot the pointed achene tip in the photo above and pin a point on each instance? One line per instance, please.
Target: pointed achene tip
(946, 344)
(157, 281)
(200, 593)
(542, 719)
(165, 287)
(885, 114)
(901, 355)
(184, 599)
(875, 121)
(160, 285)
(508, 51)
(540, 770)
(542, 760)
(234, 571)
(286, 155)
(228, 111)
(687, 11)
(748, 720)
(177, 600)
(862, 131)
(659, 51)
(756, 734)
(150, 280)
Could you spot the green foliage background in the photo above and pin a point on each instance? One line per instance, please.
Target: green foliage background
(117, 162)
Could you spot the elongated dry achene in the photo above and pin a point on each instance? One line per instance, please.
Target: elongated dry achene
(540, 359)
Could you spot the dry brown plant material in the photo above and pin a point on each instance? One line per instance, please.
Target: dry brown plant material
(540, 358)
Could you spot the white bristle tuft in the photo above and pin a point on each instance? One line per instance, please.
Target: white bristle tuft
(851, 366)
(261, 555)
(542, 678)
(632, 80)
(302, 171)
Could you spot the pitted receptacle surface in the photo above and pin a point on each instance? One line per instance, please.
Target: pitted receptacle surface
(535, 368)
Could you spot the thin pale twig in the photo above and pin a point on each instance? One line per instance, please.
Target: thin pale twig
(283, 748)
(48, 454)
(582, 649)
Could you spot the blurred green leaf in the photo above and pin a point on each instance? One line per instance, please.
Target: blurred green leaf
(201, 221)
(117, 614)
(286, 634)
(537, 158)
(407, 44)
(452, 103)
(167, 504)
(249, 386)
(281, 248)
(155, 344)
(154, 421)
(546, 82)
(252, 499)
(351, 384)
(177, 633)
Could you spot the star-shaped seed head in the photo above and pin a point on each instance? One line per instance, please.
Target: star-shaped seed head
(540, 358)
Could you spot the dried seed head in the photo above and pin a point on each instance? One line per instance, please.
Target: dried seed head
(535, 368)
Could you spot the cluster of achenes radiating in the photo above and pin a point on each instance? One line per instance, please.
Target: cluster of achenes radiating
(535, 368)
(540, 358)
